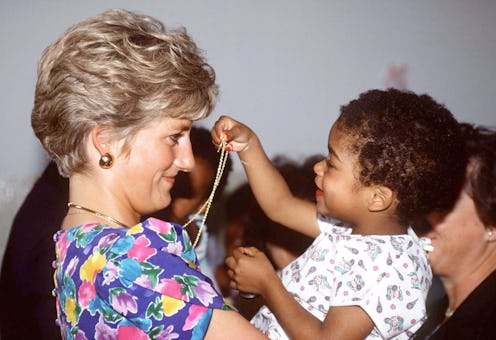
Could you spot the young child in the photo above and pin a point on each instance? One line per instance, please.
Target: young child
(393, 157)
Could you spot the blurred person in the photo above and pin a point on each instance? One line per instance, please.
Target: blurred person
(247, 225)
(462, 250)
(26, 281)
(191, 191)
(280, 244)
(115, 100)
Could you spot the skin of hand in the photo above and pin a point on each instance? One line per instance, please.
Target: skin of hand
(250, 271)
(281, 206)
(237, 135)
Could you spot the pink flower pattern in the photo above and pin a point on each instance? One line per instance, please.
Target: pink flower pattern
(86, 293)
(141, 249)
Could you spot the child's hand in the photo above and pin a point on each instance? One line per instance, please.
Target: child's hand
(235, 134)
(250, 271)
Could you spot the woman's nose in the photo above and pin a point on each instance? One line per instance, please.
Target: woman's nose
(185, 161)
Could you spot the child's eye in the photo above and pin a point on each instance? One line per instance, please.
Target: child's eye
(329, 163)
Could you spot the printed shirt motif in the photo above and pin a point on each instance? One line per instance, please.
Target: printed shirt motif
(386, 275)
(131, 283)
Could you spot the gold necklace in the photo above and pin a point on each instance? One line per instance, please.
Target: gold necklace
(96, 213)
(224, 155)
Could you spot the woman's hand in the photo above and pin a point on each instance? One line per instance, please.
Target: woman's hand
(236, 135)
(250, 271)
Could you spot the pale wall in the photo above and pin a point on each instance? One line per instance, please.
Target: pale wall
(284, 66)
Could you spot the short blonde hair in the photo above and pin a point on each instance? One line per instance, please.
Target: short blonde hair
(121, 70)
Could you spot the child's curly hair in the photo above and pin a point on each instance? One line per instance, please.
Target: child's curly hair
(410, 144)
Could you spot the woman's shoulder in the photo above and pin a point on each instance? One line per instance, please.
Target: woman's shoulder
(139, 275)
(91, 232)
(145, 239)
(150, 253)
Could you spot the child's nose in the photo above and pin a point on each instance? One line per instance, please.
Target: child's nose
(318, 168)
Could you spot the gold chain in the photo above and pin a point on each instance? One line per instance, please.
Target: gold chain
(205, 208)
(96, 213)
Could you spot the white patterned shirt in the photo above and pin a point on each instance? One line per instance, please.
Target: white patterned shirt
(388, 276)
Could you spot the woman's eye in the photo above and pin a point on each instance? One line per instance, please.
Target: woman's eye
(175, 138)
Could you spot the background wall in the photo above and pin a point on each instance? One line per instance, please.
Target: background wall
(284, 67)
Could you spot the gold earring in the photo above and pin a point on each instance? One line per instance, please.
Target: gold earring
(106, 161)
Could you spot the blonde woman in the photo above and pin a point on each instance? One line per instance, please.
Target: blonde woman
(115, 100)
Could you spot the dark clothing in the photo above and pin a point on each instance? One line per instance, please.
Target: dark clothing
(26, 283)
(474, 319)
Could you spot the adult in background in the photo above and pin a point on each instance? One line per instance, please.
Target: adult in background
(114, 103)
(26, 282)
(247, 225)
(463, 250)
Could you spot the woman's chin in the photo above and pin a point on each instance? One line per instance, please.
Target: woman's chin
(157, 205)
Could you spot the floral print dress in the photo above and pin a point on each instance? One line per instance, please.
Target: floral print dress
(131, 283)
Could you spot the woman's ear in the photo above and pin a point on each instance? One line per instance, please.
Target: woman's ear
(381, 198)
(101, 141)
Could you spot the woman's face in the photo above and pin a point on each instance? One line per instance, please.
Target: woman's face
(157, 153)
(459, 238)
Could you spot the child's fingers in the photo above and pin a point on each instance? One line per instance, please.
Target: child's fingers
(234, 134)
(230, 262)
(216, 136)
(250, 251)
(244, 251)
(238, 253)
(221, 132)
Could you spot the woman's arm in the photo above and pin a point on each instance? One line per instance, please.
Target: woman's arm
(269, 187)
(251, 271)
(231, 325)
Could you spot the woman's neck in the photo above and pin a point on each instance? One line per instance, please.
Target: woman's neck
(90, 195)
(460, 284)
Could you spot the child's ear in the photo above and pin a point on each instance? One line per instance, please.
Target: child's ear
(382, 198)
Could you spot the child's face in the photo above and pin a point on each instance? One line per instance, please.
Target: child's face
(340, 194)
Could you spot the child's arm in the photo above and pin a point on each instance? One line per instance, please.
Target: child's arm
(251, 271)
(269, 187)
